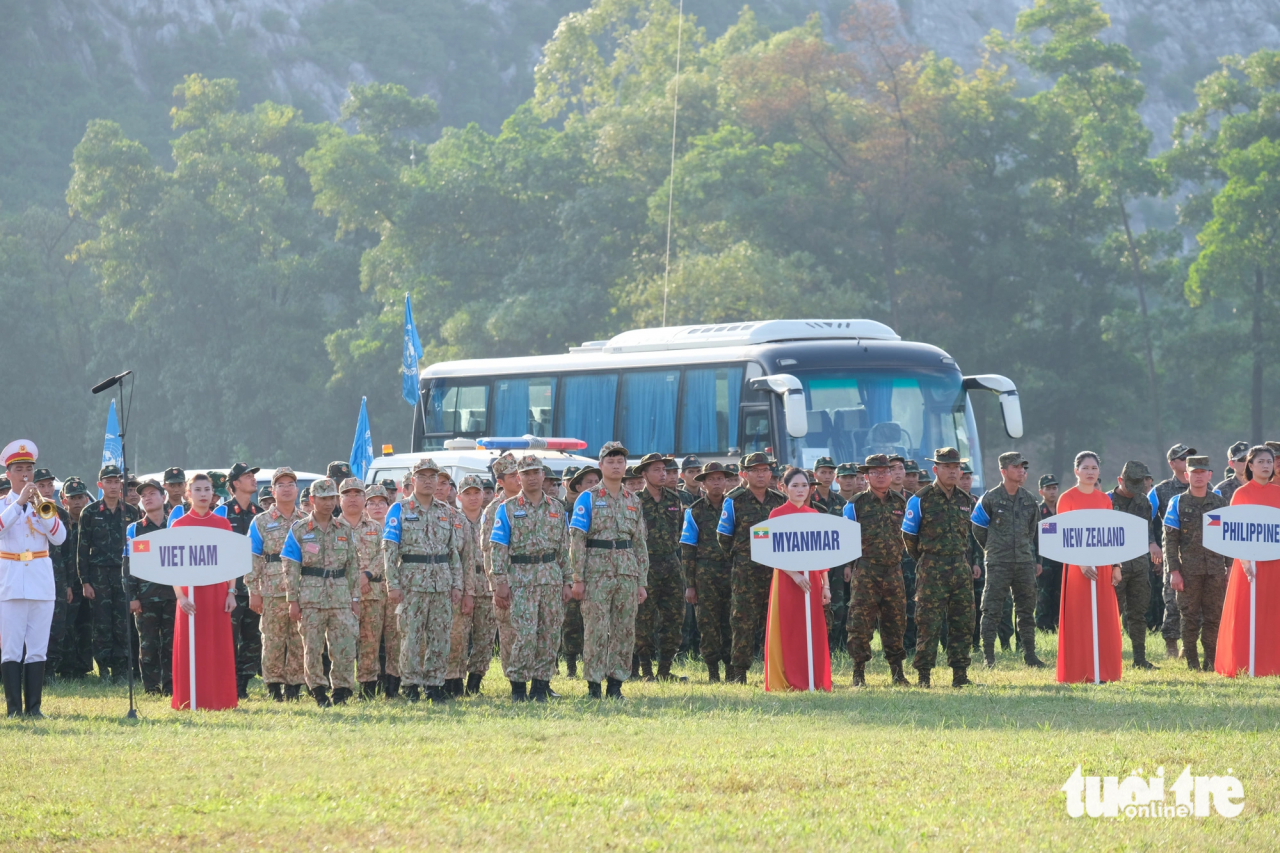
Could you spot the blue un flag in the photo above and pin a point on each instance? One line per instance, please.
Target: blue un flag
(362, 447)
(412, 352)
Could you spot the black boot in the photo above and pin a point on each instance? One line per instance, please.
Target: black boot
(635, 666)
(341, 695)
(368, 689)
(899, 679)
(613, 690)
(473, 683)
(713, 672)
(860, 674)
(593, 690)
(34, 676)
(646, 668)
(12, 673)
(438, 694)
(292, 692)
(391, 686)
(519, 691)
(412, 693)
(321, 695)
(1210, 657)
(922, 678)
(551, 694)
(1192, 656)
(571, 664)
(960, 676)
(453, 686)
(242, 686)
(538, 691)
(276, 691)
(738, 676)
(1034, 662)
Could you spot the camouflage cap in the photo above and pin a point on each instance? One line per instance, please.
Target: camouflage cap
(671, 463)
(925, 477)
(631, 473)
(875, 460)
(529, 462)
(264, 494)
(893, 457)
(5, 485)
(1179, 451)
(1238, 451)
(282, 471)
(1274, 445)
(443, 476)
(487, 483)
(108, 471)
(945, 456)
(219, 481)
(911, 466)
(1011, 458)
(846, 469)
(389, 484)
(504, 465)
(422, 465)
(471, 481)
(550, 475)
(733, 468)
(649, 459)
(42, 474)
(239, 469)
(376, 490)
(569, 471)
(690, 461)
(751, 460)
(1047, 480)
(148, 484)
(351, 484)
(824, 462)
(965, 467)
(74, 486)
(1198, 463)
(338, 471)
(324, 488)
(612, 448)
(711, 468)
(174, 475)
(1133, 472)
(305, 494)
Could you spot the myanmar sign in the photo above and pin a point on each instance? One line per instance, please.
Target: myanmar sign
(806, 541)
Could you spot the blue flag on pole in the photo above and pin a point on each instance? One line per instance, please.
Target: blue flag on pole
(412, 352)
(362, 447)
(112, 451)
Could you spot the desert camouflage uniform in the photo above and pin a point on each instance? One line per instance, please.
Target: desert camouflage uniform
(530, 553)
(282, 653)
(1204, 572)
(665, 587)
(377, 612)
(320, 574)
(474, 629)
(612, 575)
(879, 593)
(155, 622)
(750, 581)
(1133, 593)
(707, 572)
(936, 534)
(501, 615)
(422, 549)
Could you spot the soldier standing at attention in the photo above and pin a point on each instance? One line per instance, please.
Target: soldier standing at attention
(153, 605)
(1236, 455)
(320, 564)
(580, 480)
(659, 618)
(633, 483)
(175, 488)
(282, 655)
(378, 499)
(1160, 496)
(266, 500)
(423, 556)
(101, 551)
(530, 574)
(936, 533)
(707, 569)
(62, 567)
(374, 613)
(910, 477)
(239, 512)
(504, 468)
(1133, 592)
(876, 578)
(750, 582)
(690, 490)
(1005, 523)
(848, 478)
(473, 623)
(824, 499)
(1049, 582)
(77, 645)
(609, 561)
(1197, 575)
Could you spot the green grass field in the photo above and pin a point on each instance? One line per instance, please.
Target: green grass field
(677, 767)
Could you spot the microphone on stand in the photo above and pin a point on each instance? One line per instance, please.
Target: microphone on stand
(109, 383)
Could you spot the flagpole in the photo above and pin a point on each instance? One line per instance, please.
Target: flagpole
(1253, 615)
(1093, 590)
(191, 643)
(808, 625)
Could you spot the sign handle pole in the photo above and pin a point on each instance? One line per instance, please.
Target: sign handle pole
(1253, 615)
(808, 626)
(1093, 590)
(191, 648)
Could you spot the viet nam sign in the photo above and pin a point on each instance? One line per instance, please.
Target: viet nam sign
(1093, 537)
(806, 541)
(1244, 532)
(190, 556)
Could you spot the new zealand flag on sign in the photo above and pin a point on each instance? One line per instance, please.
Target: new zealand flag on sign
(1050, 528)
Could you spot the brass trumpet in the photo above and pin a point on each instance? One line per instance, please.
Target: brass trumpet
(44, 507)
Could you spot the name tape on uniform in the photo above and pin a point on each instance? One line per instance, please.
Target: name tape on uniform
(806, 541)
(1244, 532)
(190, 556)
(1093, 537)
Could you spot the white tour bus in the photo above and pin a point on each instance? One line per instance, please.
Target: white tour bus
(797, 389)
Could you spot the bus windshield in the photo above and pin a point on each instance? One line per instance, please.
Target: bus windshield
(853, 414)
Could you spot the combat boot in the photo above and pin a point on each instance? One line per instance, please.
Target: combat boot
(391, 686)
(453, 686)
(989, 660)
(34, 683)
(412, 693)
(899, 679)
(321, 695)
(922, 678)
(1140, 659)
(242, 686)
(960, 676)
(1210, 655)
(739, 675)
(12, 673)
(538, 691)
(1171, 648)
(473, 683)
(276, 691)
(1193, 659)
(713, 672)
(551, 694)
(519, 691)
(571, 664)
(646, 668)
(341, 695)
(860, 674)
(635, 666)
(593, 690)
(292, 692)
(989, 653)
(1031, 660)
(664, 672)
(613, 690)
(368, 689)
(439, 694)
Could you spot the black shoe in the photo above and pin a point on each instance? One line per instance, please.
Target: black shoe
(635, 666)
(960, 676)
(276, 691)
(453, 686)
(437, 693)
(922, 678)
(153, 691)
(321, 695)
(1034, 662)
(473, 683)
(12, 673)
(242, 686)
(551, 694)
(292, 692)
(34, 678)
(593, 690)
(391, 686)
(646, 668)
(538, 691)
(368, 690)
(519, 691)
(713, 672)
(899, 679)
(614, 690)
(341, 695)
(411, 692)
(571, 664)
(1140, 662)
(860, 674)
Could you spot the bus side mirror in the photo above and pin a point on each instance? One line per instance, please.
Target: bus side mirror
(1010, 405)
(790, 390)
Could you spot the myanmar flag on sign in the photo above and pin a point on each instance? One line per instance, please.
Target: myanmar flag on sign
(760, 534)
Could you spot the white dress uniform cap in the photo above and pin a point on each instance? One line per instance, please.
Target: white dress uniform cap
(20, 450)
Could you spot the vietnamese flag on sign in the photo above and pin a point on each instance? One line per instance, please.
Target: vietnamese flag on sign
(141, 546)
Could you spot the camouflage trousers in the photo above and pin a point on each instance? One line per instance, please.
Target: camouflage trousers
(537, 612)
(506, 636)
(110, 624)
(1049, 596)
(247, 634)
(878, 595)
(425, 620)
(155, 642)
(609, 626)
(377, 626)
(714, 599)
(1133, 594)
(660, 618)
(471, 640)
(1000, 577)
(1004, 626)
(571, 630)
(1200, 609)
(77, 642)
(1172, 629)
(944, 596)
(282, 655)
(57, 631)
(749, 607)
(337, 627)
(909, 585)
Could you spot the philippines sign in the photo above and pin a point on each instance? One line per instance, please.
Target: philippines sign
(1244, 532)
(189, 556)
(1093, 537)
(806, 541)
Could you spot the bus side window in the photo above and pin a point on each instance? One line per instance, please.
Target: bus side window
(756, 429)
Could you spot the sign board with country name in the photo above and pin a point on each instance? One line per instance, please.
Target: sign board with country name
(806, 541)
(1093, 537)
(189, 556)
(1243, 532)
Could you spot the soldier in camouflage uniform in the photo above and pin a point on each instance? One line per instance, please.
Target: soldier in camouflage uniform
(282, 653)
(320, 564)
(101, 551)
(239, 511)
(423, 553)
(876, 577)
(690, 468)
(1004, 523)
(504, 468)
(609, 561)
(579, 480)
(175, 487)
(824, 499)
(153, 605)
(743, 508)
(936, 532)
(44, 480)
(1236, 455)
(530, 573)
(77, 644)
(1197, 575)
(1159, 497)
(659, 619)
(707, 569)
(386, 645)
(1049, 583)
(376, 617)
(473, 624)
(1133, 592)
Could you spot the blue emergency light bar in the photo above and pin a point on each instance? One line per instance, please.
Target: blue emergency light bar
(531, 442)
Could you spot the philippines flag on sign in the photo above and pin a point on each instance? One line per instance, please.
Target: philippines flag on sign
(1215, 521)
(141, 546)
(760, 534)
(1049, 527)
